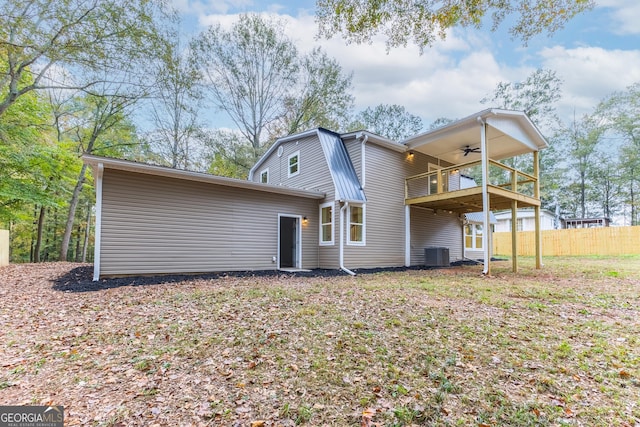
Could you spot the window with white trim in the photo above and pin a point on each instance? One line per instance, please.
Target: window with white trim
(264, 176)
(326, 223)
(356, 225)
(473, 236)
(293, 163)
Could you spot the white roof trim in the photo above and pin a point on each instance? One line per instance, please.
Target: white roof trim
(376, 139)
(535, 138)
(126, 165)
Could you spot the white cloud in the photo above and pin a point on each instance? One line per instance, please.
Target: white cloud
(590, 74)
(450, 78)
(625, 14)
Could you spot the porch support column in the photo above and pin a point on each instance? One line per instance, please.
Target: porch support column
(514, 235)
(407, 235)
(536, 194)
(486, 220)
(98, 173)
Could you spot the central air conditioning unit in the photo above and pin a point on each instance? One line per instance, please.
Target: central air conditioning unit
(436, 257)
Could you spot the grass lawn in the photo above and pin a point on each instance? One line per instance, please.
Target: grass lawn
(552, 347)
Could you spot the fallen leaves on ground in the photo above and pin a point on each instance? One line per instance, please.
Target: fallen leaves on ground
(560, 346)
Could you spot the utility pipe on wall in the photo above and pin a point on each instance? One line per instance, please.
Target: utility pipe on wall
(363, 169)
(343, 211)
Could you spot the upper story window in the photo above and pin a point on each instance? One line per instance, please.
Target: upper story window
(326, 223)
(264, 176)
(356, 225)
(294, 164)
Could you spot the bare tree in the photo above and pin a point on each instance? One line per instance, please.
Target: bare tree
(250, 71)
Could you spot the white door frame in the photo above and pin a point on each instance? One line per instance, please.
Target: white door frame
(298, 240)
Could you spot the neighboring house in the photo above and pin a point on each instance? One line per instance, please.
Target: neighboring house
(586, 222)
(525, 220)
(316, 199)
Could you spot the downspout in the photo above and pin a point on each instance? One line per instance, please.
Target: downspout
(343, 210)
(99, 171)
(363, 168)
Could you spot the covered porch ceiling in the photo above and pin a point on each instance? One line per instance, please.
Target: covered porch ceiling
(509, 133)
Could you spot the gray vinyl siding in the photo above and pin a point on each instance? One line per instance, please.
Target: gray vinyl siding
(314, 174)
(154, 224)
(474, 254)
(385, 213)
(429, 230)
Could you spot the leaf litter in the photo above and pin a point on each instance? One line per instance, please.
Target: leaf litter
(554, 347)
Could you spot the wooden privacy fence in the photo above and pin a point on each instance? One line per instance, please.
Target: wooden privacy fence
(578, 241)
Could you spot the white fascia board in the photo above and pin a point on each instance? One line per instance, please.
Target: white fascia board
(147, 169)
(529, 133)
(375, 139)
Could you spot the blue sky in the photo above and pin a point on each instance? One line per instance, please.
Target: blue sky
(596, 54)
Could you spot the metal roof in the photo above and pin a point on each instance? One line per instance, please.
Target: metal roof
(478, 217)
(344, 176)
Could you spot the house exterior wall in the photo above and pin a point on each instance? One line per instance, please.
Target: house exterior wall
(153, 224)
(385, 211)
(314, 174)
(385, 171)
(435, 230)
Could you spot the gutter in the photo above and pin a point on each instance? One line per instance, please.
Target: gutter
(343, 210)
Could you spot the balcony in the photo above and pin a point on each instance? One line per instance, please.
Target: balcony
(458, 188)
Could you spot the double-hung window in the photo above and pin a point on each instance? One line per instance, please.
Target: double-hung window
(326, 223)
(264, 176)
(293, 164)
(356, 225)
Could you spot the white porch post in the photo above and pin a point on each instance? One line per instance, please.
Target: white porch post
(98, 230)
(407, 235)
(536, 190)
(486, 219)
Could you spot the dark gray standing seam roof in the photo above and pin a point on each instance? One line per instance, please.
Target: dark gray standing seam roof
(344, 176)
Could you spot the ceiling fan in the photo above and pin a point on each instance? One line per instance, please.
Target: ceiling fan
(468, 150)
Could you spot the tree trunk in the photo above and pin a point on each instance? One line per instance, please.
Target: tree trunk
(86, 233)
(76, 255)
(36, 250)
(73, 204)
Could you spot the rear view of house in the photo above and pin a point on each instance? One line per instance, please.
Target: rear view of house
(316, 199)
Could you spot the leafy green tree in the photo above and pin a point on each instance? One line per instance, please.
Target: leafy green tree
(98, 118)
(98, 39)
(229, 154)
(439, 122)
(255, 75)
(422, 22)
(537, 96)
(175, 104)
(321, 97)
(584, 137)
(621, 110)
(391, 121)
